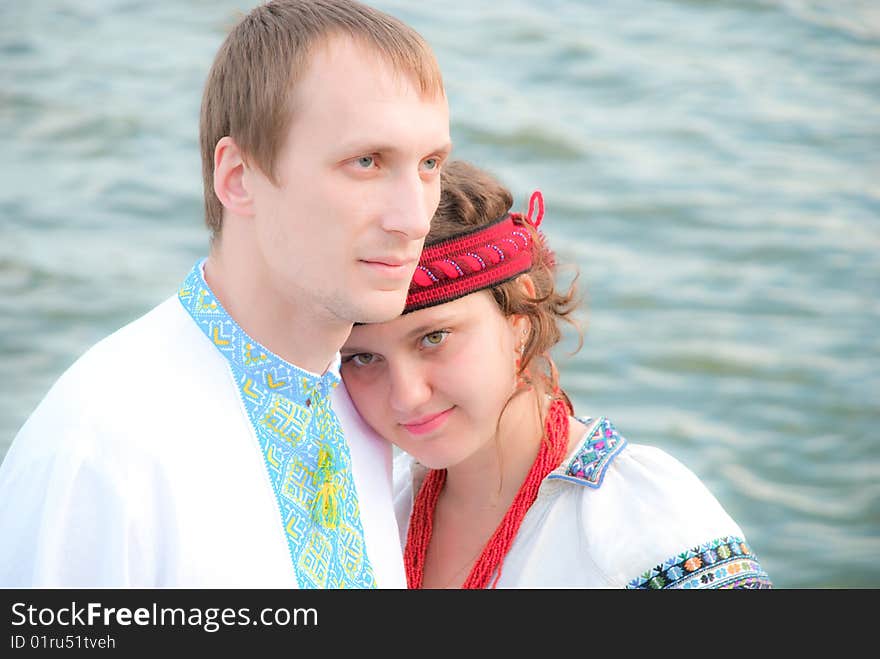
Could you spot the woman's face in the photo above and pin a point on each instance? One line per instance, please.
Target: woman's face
(435, 381)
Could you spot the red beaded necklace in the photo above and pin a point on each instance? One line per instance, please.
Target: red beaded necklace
(550, 455)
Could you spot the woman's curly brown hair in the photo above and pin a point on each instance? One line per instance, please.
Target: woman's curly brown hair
(470, 198)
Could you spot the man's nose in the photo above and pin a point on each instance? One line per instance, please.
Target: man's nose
(411, 207)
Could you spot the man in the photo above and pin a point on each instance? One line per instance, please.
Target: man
(198, 446)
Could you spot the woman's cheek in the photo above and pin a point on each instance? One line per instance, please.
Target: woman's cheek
(375, 396)
(360, 392)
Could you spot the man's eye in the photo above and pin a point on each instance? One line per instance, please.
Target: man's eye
(434, 338)
(431, 164)
(366, 162)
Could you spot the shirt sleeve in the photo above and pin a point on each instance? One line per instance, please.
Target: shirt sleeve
(63, 519)
(660, 527)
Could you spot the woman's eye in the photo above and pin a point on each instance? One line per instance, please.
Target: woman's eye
(366, 162)
(434, 338)
(431, 164)
(363, 358)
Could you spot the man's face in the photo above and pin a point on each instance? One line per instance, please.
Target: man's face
(358, 182)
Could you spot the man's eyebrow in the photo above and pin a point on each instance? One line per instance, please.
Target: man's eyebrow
(444, 150)
(378, 147)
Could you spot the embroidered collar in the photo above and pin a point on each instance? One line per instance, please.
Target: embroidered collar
(306, 457)
(587, 463)
(245, 354)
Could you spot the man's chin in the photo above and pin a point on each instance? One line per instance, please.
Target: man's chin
(379, 306)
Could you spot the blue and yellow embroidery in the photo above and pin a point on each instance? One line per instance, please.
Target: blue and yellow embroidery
(305, 454)
(325, 507)
(726, 562)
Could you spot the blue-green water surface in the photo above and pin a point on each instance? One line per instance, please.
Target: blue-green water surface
(711, 168)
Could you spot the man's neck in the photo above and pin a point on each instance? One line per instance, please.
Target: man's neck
(300, 335)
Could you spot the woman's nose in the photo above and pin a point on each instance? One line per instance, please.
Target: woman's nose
(409, 389)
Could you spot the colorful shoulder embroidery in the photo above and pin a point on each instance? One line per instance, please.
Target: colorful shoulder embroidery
(726, 562)
(590, 462)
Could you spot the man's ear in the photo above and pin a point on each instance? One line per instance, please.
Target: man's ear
(230, 182)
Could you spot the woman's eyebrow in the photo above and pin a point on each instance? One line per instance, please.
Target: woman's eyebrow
(353, 350)
(435, 324)
(440, 322)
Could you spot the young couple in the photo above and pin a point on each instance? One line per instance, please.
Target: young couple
(224, 440)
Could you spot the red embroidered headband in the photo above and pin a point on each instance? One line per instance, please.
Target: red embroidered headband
(474, 260)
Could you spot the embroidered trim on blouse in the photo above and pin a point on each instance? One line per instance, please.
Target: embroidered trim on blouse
(590, 462)
(726, 562)
(304, 451)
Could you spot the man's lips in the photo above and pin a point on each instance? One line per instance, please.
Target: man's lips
(390, 267)
(390, 261)
(427, 423)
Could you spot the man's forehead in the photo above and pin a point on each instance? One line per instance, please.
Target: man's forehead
(353, 58)
(362, 108)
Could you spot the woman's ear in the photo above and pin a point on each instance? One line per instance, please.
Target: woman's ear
(521, 323)
(526, 282)
(521, 326)
(230, 184)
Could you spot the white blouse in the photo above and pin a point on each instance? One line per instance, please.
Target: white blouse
(616, 515)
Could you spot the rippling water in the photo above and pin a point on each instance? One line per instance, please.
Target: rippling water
(711, 168)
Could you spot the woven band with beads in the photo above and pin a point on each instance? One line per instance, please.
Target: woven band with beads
(470, 262)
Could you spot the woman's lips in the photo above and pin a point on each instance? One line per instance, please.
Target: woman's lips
(427, 424)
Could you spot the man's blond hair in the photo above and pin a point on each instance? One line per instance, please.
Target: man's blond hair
(249, 88)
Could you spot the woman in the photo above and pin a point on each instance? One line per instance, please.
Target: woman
(506, 487)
